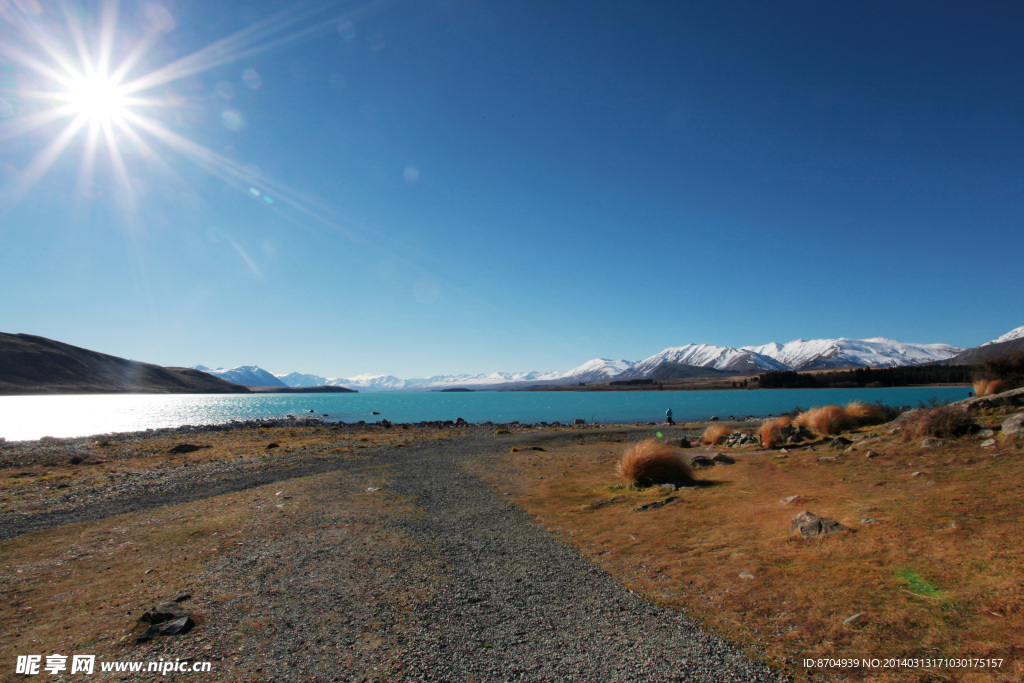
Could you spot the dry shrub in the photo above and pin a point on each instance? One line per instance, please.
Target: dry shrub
(935, 422)
(714, 434)
(653, 462)
(987, 387)
(826, 420)
(864, 413)
(771, 431)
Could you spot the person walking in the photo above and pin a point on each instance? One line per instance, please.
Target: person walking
(668, 416)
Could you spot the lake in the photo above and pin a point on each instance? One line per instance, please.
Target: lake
(32, 417)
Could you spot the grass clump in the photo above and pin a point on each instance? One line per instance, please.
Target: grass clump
(826, 420)
(651, 462)
(987, 387)
(936, 422)
(864, 413)
(714, 434)
(771, 431)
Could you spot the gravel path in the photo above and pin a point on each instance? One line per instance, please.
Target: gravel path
(523, 606)
(439, 580)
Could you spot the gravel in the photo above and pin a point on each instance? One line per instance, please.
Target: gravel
(449, 583)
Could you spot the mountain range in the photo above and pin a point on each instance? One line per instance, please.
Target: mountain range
(692, 360)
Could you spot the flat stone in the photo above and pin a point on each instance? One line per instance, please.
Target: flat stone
(791, 499)
(852, 618)
(173, 627)
(655, 504)
(988, 443)
(932, 443)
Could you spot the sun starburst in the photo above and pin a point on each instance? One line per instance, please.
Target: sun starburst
(88, 76)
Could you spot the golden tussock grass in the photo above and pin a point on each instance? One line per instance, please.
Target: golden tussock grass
(771, 431)
(938, 574)
(714, 434)
(987, 387)
(653, 461)
(826, 420)
(863, 413)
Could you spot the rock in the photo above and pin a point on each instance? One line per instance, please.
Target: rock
(869, 520)
(791, 499)
(604, 501)
(932, 443)
(723, 459)
(852, 618)
(460, 422)
(871, 454)
(1014, 425)
(166, 611)
(745, 575)
(988, 443)
(986, 433)
(701, 461)
(714, 418)
(827, 458)
(810, 524)
(172, 627)
(839, 442)
(185, 448)
(915, 474)
(655, 504)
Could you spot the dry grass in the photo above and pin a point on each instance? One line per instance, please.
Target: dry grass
(942, 421)
(987, 387)
(937, 576)
(863, 413)
(653, 461)
(826, 420)
(771, 431)
(714, 434)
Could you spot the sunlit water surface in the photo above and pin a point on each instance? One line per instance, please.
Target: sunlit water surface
(32, 417)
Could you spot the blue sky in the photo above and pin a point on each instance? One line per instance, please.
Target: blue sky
(442, 187)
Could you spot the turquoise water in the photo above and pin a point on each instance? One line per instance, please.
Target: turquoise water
(31, 417)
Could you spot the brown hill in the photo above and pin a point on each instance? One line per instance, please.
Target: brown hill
(980, 353)
(37, 365)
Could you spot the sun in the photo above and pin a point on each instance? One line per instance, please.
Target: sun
(99, 99)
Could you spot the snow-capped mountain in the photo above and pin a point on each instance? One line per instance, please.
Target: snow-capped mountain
(597, 370)
(706, 356)
(1009, 336)
(799, 354)
(247, 375)
(297, 379)
(876, 352)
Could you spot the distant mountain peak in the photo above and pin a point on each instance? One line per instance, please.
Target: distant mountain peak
(1016, 333)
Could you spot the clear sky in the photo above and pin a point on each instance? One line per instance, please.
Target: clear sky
(456, 186)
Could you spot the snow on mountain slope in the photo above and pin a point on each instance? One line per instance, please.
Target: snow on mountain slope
(246, 375)
(1017, 333)
(706, 356)
(297, 379)
(597, 370)
(802, 354)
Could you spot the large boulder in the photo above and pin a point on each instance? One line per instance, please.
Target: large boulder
(1014, 425)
